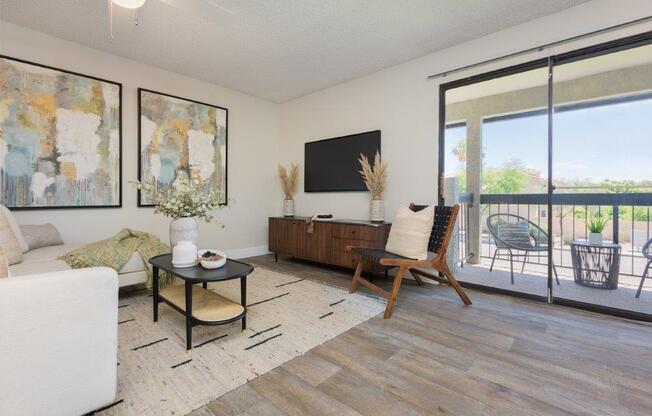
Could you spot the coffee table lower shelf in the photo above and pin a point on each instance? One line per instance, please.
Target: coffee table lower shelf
(208, 308)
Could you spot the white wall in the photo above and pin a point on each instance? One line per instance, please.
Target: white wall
(397, 100)
(252, 148)
(404, 105)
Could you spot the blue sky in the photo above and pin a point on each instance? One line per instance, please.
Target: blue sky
(607, 142)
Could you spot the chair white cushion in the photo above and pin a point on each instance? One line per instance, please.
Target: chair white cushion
(410, 233)
(15, 228)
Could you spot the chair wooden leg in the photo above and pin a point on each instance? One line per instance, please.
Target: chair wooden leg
(640, 286)
(455, 284)
(391, 301)
(417, 278)
(356, 276)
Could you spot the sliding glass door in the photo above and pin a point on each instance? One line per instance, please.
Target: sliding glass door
(496, 146)
(602, 174)
(543, 154)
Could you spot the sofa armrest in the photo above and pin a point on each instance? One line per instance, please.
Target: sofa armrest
(58, 342)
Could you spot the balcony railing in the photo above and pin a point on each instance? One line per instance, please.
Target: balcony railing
(629, 216)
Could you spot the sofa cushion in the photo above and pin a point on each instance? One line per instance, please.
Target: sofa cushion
(8, 242)
(15, 228)
(49, 253)
(38, 267)
(135, 263)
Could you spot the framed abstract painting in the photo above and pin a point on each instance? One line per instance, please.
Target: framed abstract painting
(181, 139)
(60, 138)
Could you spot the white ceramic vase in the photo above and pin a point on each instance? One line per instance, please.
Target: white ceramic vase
(377, 210)
(183, 229)
(288, 208)
(595, 239)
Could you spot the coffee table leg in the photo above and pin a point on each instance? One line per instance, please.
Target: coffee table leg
(188, 316)
(155, 292)
(243, 300)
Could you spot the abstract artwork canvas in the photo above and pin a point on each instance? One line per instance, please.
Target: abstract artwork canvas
(181, 139)
(60, 138)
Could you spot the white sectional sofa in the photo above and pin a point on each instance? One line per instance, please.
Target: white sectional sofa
(58, 338)
(44, 260)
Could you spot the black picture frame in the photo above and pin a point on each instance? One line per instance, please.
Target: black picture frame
(120, 125)
(226, 142)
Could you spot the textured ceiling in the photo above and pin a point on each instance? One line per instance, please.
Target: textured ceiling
(278, 49)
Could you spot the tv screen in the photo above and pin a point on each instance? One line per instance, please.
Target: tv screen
(332, 165)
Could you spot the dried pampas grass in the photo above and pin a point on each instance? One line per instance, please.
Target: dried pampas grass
(375, 177)
(289, 179)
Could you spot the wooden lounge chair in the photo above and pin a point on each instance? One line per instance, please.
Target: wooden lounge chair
(442, 230)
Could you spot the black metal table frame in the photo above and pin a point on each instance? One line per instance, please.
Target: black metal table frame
(190, 320)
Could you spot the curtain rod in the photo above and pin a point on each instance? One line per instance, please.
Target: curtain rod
(541, 47)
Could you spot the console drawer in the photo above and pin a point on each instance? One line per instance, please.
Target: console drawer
(340, 244)
(356, 232)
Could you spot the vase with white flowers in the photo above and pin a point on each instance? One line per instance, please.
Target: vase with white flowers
(185, 203)
(375, 178)
(289, 180)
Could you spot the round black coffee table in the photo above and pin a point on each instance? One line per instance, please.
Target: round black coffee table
(200, 305)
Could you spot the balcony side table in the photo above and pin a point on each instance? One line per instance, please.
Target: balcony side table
(594, 265)
(199, 305)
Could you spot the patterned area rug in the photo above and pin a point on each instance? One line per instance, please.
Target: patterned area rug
(287, 316)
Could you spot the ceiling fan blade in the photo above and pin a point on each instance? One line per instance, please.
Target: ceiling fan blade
(204, 9)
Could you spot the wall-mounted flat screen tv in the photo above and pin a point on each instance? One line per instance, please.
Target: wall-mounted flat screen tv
(332, 165)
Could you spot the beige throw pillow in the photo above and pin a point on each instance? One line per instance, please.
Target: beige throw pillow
(9, 243)
(11, 219)
(4, 267)
(410, 233)
(38, 236)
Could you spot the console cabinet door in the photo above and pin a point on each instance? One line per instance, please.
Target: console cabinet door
(316, 245)
(284, 235)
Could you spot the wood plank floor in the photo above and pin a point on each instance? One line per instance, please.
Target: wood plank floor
(500, 356)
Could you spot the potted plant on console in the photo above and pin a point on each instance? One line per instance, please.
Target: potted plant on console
(375, 178)
(185, 203)
(289, 180)
(596, 225)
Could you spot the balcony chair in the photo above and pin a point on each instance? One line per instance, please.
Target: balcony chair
(442, 230)
(647, 253)
(514, 233)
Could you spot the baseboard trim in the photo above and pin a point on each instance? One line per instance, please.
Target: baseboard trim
(240, 253)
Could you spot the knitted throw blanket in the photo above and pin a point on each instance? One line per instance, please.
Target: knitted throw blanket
(115, 252)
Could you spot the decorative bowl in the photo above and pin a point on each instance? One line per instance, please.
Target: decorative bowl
(217, 261)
